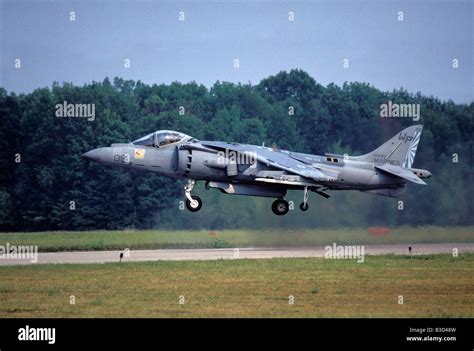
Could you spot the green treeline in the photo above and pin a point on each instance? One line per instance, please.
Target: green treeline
(45, 184)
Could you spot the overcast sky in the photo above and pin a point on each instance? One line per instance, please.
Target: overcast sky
(416, 53)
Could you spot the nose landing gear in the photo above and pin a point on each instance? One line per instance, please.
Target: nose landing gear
(193, 202)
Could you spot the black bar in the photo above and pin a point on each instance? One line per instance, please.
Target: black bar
(312, 334)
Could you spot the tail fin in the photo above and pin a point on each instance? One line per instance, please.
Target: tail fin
(398, 151)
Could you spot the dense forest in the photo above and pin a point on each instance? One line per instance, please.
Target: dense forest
(45, 184)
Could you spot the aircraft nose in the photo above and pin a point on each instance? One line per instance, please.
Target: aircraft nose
(99, 155)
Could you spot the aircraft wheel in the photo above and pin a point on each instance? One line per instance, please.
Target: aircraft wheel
(304, 206)
(194, 207)
(280, 207)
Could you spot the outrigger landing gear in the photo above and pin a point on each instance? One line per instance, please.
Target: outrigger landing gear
(304, 205)
(280, 207)
(193, 202)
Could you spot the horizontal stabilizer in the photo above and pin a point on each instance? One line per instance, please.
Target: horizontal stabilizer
(401, 172)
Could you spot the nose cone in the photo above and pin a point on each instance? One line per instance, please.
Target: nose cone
(100, 155)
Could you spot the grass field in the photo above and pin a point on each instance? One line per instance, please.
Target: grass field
(154, 239)
(431, 286)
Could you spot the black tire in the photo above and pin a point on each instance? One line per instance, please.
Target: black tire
(280, 207)
(194, 209)
(303, 206)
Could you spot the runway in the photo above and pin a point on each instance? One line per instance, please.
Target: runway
(218, 254)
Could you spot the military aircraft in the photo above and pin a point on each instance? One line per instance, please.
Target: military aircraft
(242, 169)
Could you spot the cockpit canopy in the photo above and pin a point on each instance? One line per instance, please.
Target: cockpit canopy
(160, 138)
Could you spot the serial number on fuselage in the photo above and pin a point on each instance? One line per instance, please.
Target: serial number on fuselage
(125, 158)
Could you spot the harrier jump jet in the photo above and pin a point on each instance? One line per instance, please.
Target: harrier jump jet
(242, 169)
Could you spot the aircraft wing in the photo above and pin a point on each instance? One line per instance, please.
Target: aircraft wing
(274, 158)
(401, 172)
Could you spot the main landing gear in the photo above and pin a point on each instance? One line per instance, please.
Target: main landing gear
(193, 202)
(281, 207)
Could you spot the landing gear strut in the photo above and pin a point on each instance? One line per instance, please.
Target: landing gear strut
(304, 205)
(193, 202)
(280, 207)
